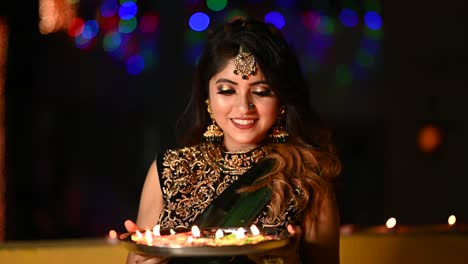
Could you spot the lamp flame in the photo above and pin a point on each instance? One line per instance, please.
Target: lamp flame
(240, 233)
(219, 233)
(148, 236)
(195, 231)
(452, 220)
(254, 230)
(391, 222)
(156, 230)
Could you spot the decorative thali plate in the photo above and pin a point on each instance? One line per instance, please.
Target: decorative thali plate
(270, 239)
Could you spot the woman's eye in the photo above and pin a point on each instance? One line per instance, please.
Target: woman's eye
(224, 90)
(263, 92)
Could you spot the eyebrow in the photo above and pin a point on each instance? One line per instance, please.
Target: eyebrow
(232, 82)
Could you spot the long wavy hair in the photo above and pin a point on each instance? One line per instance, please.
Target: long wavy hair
(307, 161)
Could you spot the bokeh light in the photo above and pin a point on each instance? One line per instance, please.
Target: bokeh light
(127, 10)
(429, 138)
(90, 30)
(310, 19)
(109, 8)
(373, 20)
(343, 75)
(348, 17)
(275, 18)
(76, 27)
(326, 25)
(135, 64)
(109, 23)
(364, 59)
(199, 21)
(112, 41)
(83, 43)
(216, 5)
(149, 23)
(127, 26)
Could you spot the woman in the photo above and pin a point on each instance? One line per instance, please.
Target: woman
(251, 132)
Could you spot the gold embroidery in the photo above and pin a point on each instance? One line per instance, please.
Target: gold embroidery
(193, 177)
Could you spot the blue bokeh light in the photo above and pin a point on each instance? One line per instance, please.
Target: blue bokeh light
(90, 29)
(275, 18)
(348, 17)
(128, 10)
(199, 21)
(135, 64)
(373, 20)
(109, 8)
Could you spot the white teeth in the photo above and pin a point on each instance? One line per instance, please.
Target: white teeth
(243, 122)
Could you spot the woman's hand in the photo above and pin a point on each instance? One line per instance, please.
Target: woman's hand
(134, 258)
(287, 254)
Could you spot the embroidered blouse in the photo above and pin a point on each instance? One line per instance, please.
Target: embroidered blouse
(192, 177)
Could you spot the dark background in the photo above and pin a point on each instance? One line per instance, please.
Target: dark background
(81, 132)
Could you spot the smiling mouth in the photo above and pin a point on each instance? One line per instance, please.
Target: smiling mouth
(243, 123)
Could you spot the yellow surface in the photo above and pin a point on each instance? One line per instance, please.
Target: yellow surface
(355, 249)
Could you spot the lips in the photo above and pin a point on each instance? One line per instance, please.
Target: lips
(243, 123)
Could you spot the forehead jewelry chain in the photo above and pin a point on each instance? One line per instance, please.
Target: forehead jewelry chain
(244, 63)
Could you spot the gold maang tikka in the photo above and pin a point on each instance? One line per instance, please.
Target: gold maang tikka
(245, 63)
(213, 132)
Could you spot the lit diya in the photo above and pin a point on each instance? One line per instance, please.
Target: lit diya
(206, 241)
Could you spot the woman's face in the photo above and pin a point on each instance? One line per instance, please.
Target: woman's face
(230, 96)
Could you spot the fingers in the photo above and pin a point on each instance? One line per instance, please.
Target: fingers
(294, 230)
(131, 226)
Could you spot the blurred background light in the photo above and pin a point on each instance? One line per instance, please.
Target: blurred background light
(348, 17)
(127, 26)
(149, 22)
(112, 41)
(275, 18)
(310, 19)
(83, 43)
(373, 20)
(127, 10)
(135, 64)
(76, 27)
(109, 8)
(326, 25)
(216, 5)
(109, 23)
(429, 138)
(343, 75)
(90, 30)
(199, 21)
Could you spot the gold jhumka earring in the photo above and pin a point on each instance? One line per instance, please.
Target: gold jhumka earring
(244, 63)
(213, 132)
(278, 133)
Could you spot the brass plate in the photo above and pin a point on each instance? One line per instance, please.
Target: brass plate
(280, 239)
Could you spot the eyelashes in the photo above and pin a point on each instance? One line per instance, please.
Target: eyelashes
(262, 93)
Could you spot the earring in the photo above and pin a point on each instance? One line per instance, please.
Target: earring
(213, 132)
(279, 134)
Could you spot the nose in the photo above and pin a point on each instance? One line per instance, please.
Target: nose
(245, 103)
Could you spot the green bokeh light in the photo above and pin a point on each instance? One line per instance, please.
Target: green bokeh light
(127, 26)
(216, 5)
(364, 59)
(343, 75)
(326, 25)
